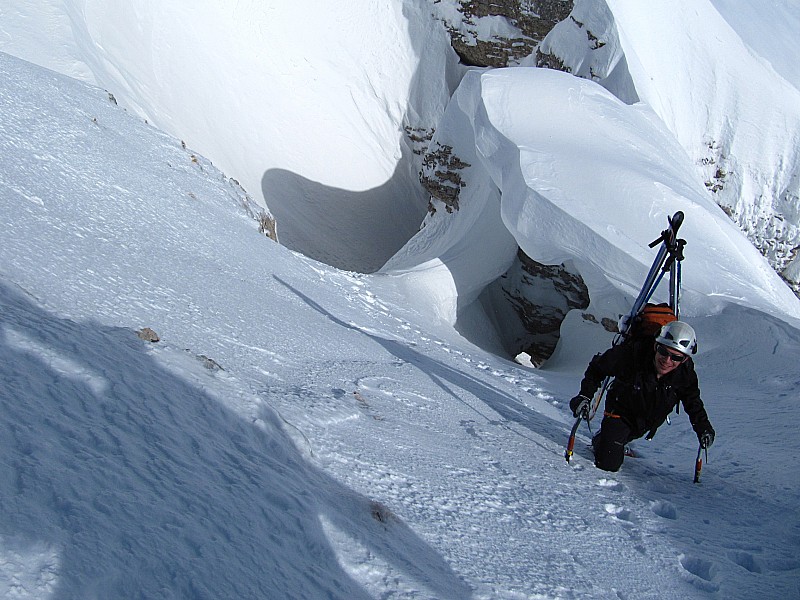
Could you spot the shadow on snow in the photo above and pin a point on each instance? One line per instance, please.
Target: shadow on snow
(121, 479)
(448, 378)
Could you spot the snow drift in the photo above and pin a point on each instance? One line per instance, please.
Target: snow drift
(576, 175)
(726, 87)
(313, 107)
(302, 431)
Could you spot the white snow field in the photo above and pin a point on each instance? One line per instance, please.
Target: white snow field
(306, 103)
(301, 431)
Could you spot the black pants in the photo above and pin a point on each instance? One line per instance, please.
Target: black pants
(609, 443)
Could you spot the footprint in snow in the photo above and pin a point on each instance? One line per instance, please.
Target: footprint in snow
(610, 484)
(468, 426)
(664, 509)
(746, 561)
(701, 572)
(623, 514)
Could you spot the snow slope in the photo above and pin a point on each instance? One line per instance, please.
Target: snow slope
(281, 96)
(581, 178)
(349, 446)
(723, 78)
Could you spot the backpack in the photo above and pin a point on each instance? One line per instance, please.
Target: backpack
(648, 323)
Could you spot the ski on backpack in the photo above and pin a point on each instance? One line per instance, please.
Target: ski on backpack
(647, 316)
(643, 316)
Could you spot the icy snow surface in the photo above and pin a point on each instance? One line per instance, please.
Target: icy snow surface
(305, 432)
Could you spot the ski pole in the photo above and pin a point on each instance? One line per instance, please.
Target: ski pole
(571, 441)
(667, 241)
(698, 464)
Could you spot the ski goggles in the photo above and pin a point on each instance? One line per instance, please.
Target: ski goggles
(676, 358)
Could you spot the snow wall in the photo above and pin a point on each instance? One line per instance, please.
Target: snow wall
(723, 78)
(560, 167)
(316, 108)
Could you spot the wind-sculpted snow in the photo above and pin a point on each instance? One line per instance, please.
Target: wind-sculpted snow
(722, 76)
(582, 178)
(303, 432)
(314, 107)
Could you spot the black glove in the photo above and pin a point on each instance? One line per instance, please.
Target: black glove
(706, 438)
(579, 406)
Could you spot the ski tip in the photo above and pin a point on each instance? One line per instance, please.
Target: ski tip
(676, 219)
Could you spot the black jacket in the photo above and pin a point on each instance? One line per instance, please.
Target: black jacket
(637, 396)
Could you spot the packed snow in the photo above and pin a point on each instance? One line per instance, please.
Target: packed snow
(300, 431)
(307, 104)
(723, 78)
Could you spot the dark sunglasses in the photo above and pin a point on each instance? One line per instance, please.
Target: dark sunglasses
(677, 358)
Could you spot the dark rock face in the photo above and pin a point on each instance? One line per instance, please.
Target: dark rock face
(532, 20)
(528, 304)
(441, 176)
(542, 300)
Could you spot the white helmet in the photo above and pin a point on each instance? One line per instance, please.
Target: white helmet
(679, 336)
